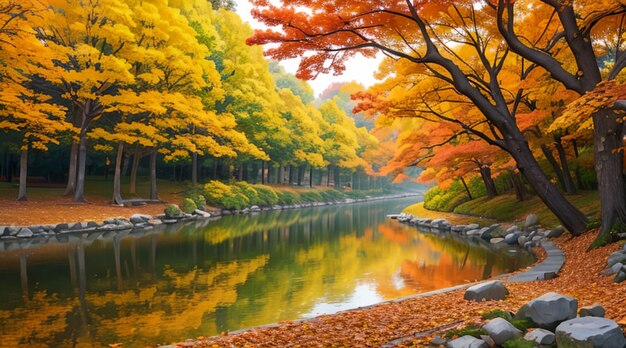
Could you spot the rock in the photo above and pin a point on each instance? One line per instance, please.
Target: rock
(613, 269)
(522, 240)
(531, 220)
(202, 213)
(511, 238)
(594, 310)
(549, 310)
(471, 227)
(540, 336)
(493, 290)
(437, 341)
(245, 211)
(255, 208)
(556, 232)
(549, 275)
(537, 238)
(490, 342)
(169, 221)
(139, 218)
(512, 229)
(496, 240)
(501, 330)
(467, 341)
(621, 276)
(471, 233)
(618, 256)
(61, 227)
(24, 232)
(590, 332)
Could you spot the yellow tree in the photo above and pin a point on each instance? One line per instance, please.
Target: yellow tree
(23, 109)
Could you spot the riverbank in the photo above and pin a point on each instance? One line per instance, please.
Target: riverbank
(416, 318)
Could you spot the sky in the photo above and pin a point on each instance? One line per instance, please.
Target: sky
(358, 69)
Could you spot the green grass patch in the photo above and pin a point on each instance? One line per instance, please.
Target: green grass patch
(470, 330)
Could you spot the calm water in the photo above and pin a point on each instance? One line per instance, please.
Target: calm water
(236, 272)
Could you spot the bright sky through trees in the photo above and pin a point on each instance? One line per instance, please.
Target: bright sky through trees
(360, 69)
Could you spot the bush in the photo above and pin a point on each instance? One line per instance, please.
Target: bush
(311, 196)
(189, 206)
(355, 194)
(518, 343)
(172, 211)
(470, 330)
(266, 195)
(249, 191)
(332, 195)
(288, 198)
(498, 313)
(219, 194)
(215, 191)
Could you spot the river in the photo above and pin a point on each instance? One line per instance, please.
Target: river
(201, 279)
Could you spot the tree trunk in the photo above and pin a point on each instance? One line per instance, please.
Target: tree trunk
(518, 186)
(281, 174)
(263, 172)
(570, 187)
(117, 177)
(194, 168)
(573, 220)
(555, 166)
(301, 171)
(127, 164)
(71, 172)
(153, 177)
(79, 194)
(311, 176)
(337, 178)
(329, 175)
(485, 174)
(469, 194)
(21, 196)
(609, 165)
(133, 172)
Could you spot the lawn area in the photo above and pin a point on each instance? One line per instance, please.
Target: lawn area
(506, 208)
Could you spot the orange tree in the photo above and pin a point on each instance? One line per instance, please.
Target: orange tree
(425, 34)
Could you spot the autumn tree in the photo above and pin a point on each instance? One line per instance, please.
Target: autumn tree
(425, 35)
(25, 110)
(572, 46)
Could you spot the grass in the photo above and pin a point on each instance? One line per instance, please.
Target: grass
(506, 208)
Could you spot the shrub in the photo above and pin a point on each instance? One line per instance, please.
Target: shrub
(332, 195)
(249, 191)
(470, 330)
(215, 191)
(172, 211)
(288, 198)
(235, 201)
(518, 343)
(189, 205)
(355, 194)
(498, 313)
(311, 196)
(266, 195)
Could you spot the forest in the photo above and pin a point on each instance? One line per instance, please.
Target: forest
(166, 89)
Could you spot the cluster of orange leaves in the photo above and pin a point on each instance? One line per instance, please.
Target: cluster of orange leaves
(402, 322)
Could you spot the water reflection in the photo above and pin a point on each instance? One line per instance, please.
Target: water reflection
(200, 279)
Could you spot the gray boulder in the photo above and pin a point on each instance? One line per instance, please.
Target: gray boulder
(613, 269)
(485, 233)
(511, 238)
(471, 227)
(590, 332)
(521, 240)
(467, 342)
(501, 330)
(531, 220)
(556, 232)
(493, 290)
(595, 310)
(24, 232)
(540, 336)
(496, 240)
(621, 275)
(202, 213)
(139, 218)
(549, 310)
(616, 257)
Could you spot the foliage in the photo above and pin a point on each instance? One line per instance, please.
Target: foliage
(470, 330)
(189, 206)
(518, 343)
(311, 196)
(266, 195)
(288, 198)
(250, 192)
(445, 200)
(332, 195)
(523, 324)
(172, 210)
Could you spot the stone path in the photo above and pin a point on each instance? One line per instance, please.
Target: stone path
(548, 269)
